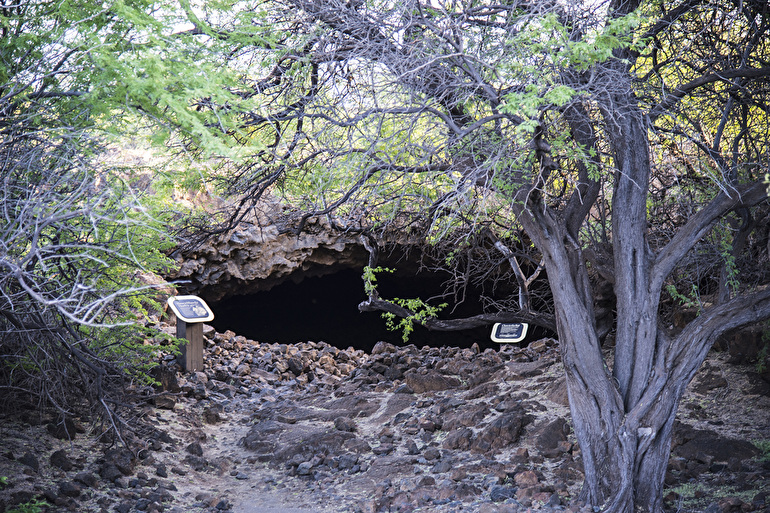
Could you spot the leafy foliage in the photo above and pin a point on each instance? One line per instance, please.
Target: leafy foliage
(76, 243)
(422, 312)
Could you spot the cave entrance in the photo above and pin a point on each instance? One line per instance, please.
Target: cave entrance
(325, 309)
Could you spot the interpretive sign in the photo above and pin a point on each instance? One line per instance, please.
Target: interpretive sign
(191, 312)
(190, 309)
(504, 332)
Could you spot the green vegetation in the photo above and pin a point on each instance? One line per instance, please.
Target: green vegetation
(80, 240)
(33, 506)
(764, 446)
(421, 313)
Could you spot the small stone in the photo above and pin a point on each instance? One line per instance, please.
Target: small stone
(122, 459)
(345, 424)
(501, 493)
(304, 468)
(87, 479)
(69, 489)
(195, 449)
(110, 472)
(31, 461)
(123, 507)
(60, 460)
(441, 467)
(431, 453)
(142, 504)
(426, 481)
(161, 471)
(526, 478)
(165, 401)
(295, 365)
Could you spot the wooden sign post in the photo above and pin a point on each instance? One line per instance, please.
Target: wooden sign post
(191, 312)
(509, 333)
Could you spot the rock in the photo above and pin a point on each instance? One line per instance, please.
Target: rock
(109, 472)
(709, 378)
(458, 474)
(198, 463)
(64, 428)
(295, 365)
(466, 416)
(521, 370)
(501, 493)
(258, 254)
(195, 449)
(745, 344)
(549, 435)
(167, 378)
(430, 382)
(730, 505)
(526, 479)
(459, 439)
(431, 453)
(30, 460)
(345, 424)
(304, 468)
(498, 508)
(165, 401)
(161, 471)
(212, 414)
(441, 467)
(123, 507)
(122, 459)
(712, 447)
(60, 460)
(223, 505)
(86, 479)
(557, 391)
(383, 347)
(69, 489)
(501, 432)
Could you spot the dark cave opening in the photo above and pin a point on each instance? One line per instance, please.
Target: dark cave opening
(325, 309)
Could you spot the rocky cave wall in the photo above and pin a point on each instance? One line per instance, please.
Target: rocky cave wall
(256, 257)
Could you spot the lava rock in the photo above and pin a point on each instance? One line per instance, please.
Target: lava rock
(60, 460)
(30, 460)
(430, 382)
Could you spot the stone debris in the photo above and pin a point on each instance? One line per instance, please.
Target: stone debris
(398, 429)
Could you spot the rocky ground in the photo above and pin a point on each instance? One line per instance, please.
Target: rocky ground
(400, 429)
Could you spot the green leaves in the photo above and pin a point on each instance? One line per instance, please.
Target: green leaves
(422, 312)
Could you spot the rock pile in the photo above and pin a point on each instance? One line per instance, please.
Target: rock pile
(397, 429)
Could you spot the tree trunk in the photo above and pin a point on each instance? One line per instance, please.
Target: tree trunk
(624, 447)
(624, 459)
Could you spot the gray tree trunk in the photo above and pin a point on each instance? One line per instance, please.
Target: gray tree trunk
(623, 417)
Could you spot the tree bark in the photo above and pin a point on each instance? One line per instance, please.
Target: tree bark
(623, 419)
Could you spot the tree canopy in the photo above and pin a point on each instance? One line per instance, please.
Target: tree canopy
(617, 142)
(74, 237)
